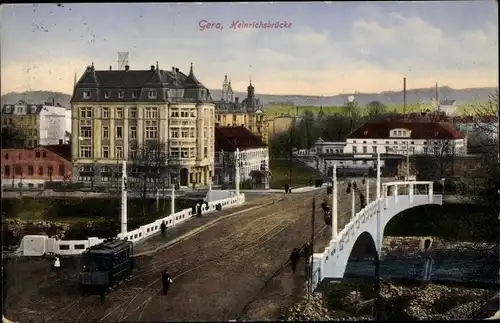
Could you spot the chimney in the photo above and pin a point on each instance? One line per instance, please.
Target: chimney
(127, 67)
(176, 70)
(110, 67)
(152, 67)
(236, 100)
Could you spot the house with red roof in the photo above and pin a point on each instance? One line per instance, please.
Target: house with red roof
(404, 137)
(238, 147)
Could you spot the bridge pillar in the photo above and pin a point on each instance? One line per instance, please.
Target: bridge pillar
(431, 191)
(395, 193)
(411, 190)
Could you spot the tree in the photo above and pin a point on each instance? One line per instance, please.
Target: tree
(335, 128)
(375, 108)
(12, 138)
(150, 169)
(437, 161)
(351, 110)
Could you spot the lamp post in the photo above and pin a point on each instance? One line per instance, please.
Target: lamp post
(442, 186)
(124, 199)
(378, 245)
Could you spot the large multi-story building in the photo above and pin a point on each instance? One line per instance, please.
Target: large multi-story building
(248, 113)
(38, 124)
(118, 113)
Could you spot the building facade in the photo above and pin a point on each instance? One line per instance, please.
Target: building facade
(39, 124)
(33, 167)
(406, 138)
(252, 156)
(116, 114)
(230, 112)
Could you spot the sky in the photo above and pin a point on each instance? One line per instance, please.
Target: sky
(322, 48)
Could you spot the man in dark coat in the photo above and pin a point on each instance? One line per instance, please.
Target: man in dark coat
(166, 280)
(163, 228)
(287, 188)
(294, 259)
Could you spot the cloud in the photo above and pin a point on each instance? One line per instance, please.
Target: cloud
(371, 54)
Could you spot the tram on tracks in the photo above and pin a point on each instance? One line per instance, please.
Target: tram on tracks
(105, 265)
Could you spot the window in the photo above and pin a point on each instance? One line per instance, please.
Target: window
(119, 132)
(152, 95)
(175, 114)
(205, 152)
(85, 112)
(374, 149)
(365, 150)
(132, 153)
(133, 132)
(105, 152)
(133, 113)
(105, 132)
(121, 94)
(6, 170)
(44, 154)
(61, 170)
(119, 113)
(119, 152)
(184, 152)
(151, 132)
(174, 152)
(85, 151)
(6, 156)
(30, 170)
(354, 149)
(426, 150)
(86, 94)
(105, 113)
(106, 94)
(184, 133)
(85, 132)
(174, 133)
(40, 170)
(151, 113)
(185, 114)
(134, 95)
(50, 170)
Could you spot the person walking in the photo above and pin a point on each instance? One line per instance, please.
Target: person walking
(166, 280)
(294, 259)
(163, 228)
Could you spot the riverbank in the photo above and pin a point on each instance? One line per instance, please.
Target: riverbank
(354, 301)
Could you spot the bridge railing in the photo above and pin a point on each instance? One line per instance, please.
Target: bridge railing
(390, 198)
(38, 245)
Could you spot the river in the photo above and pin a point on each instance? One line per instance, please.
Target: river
(448, 270)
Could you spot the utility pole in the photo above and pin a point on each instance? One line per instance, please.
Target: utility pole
(292, 134)
(407, 161)
(404, 96)
(312, 245)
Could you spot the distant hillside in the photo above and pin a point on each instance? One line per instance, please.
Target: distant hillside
(37, 97)
(413, 96)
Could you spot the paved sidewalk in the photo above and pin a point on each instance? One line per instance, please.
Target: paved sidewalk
(193, 225)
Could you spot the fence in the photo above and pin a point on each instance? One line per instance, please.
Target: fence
(38, 245)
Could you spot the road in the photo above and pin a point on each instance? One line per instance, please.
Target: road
(218, 273)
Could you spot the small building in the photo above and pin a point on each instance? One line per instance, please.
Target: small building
(39, 124)
(253, 158)
(448, 107)
(406, 138)
(33, 167)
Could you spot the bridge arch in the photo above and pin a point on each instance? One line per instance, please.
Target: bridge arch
(370, 221)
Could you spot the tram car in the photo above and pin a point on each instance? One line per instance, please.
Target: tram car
(105, 265)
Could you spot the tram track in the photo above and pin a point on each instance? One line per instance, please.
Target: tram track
(282, 223)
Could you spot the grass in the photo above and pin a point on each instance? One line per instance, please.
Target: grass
(276, 110)
(301, 174)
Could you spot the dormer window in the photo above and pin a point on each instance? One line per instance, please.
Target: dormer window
(107, 94)
(86, 94)
(121, 94)
(134, 95)
(33, 109)
(152, 95)
(7, 109)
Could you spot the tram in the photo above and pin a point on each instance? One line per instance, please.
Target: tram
(105, 265)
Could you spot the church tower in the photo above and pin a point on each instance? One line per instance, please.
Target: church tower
(225, 89)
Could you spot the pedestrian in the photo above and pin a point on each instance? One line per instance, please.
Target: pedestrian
(307, 253)
(163, 228)
(57, 263)
(102, 294)
(294, 259)
(287, 187)
(166, 280)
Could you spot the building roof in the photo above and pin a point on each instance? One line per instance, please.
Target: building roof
(134, 85)
(447, 102)
(419, 130)
(230, 138)
(63, 150)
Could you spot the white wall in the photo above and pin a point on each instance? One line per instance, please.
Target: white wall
(400, 146)
(52, 125)
(250, 159)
